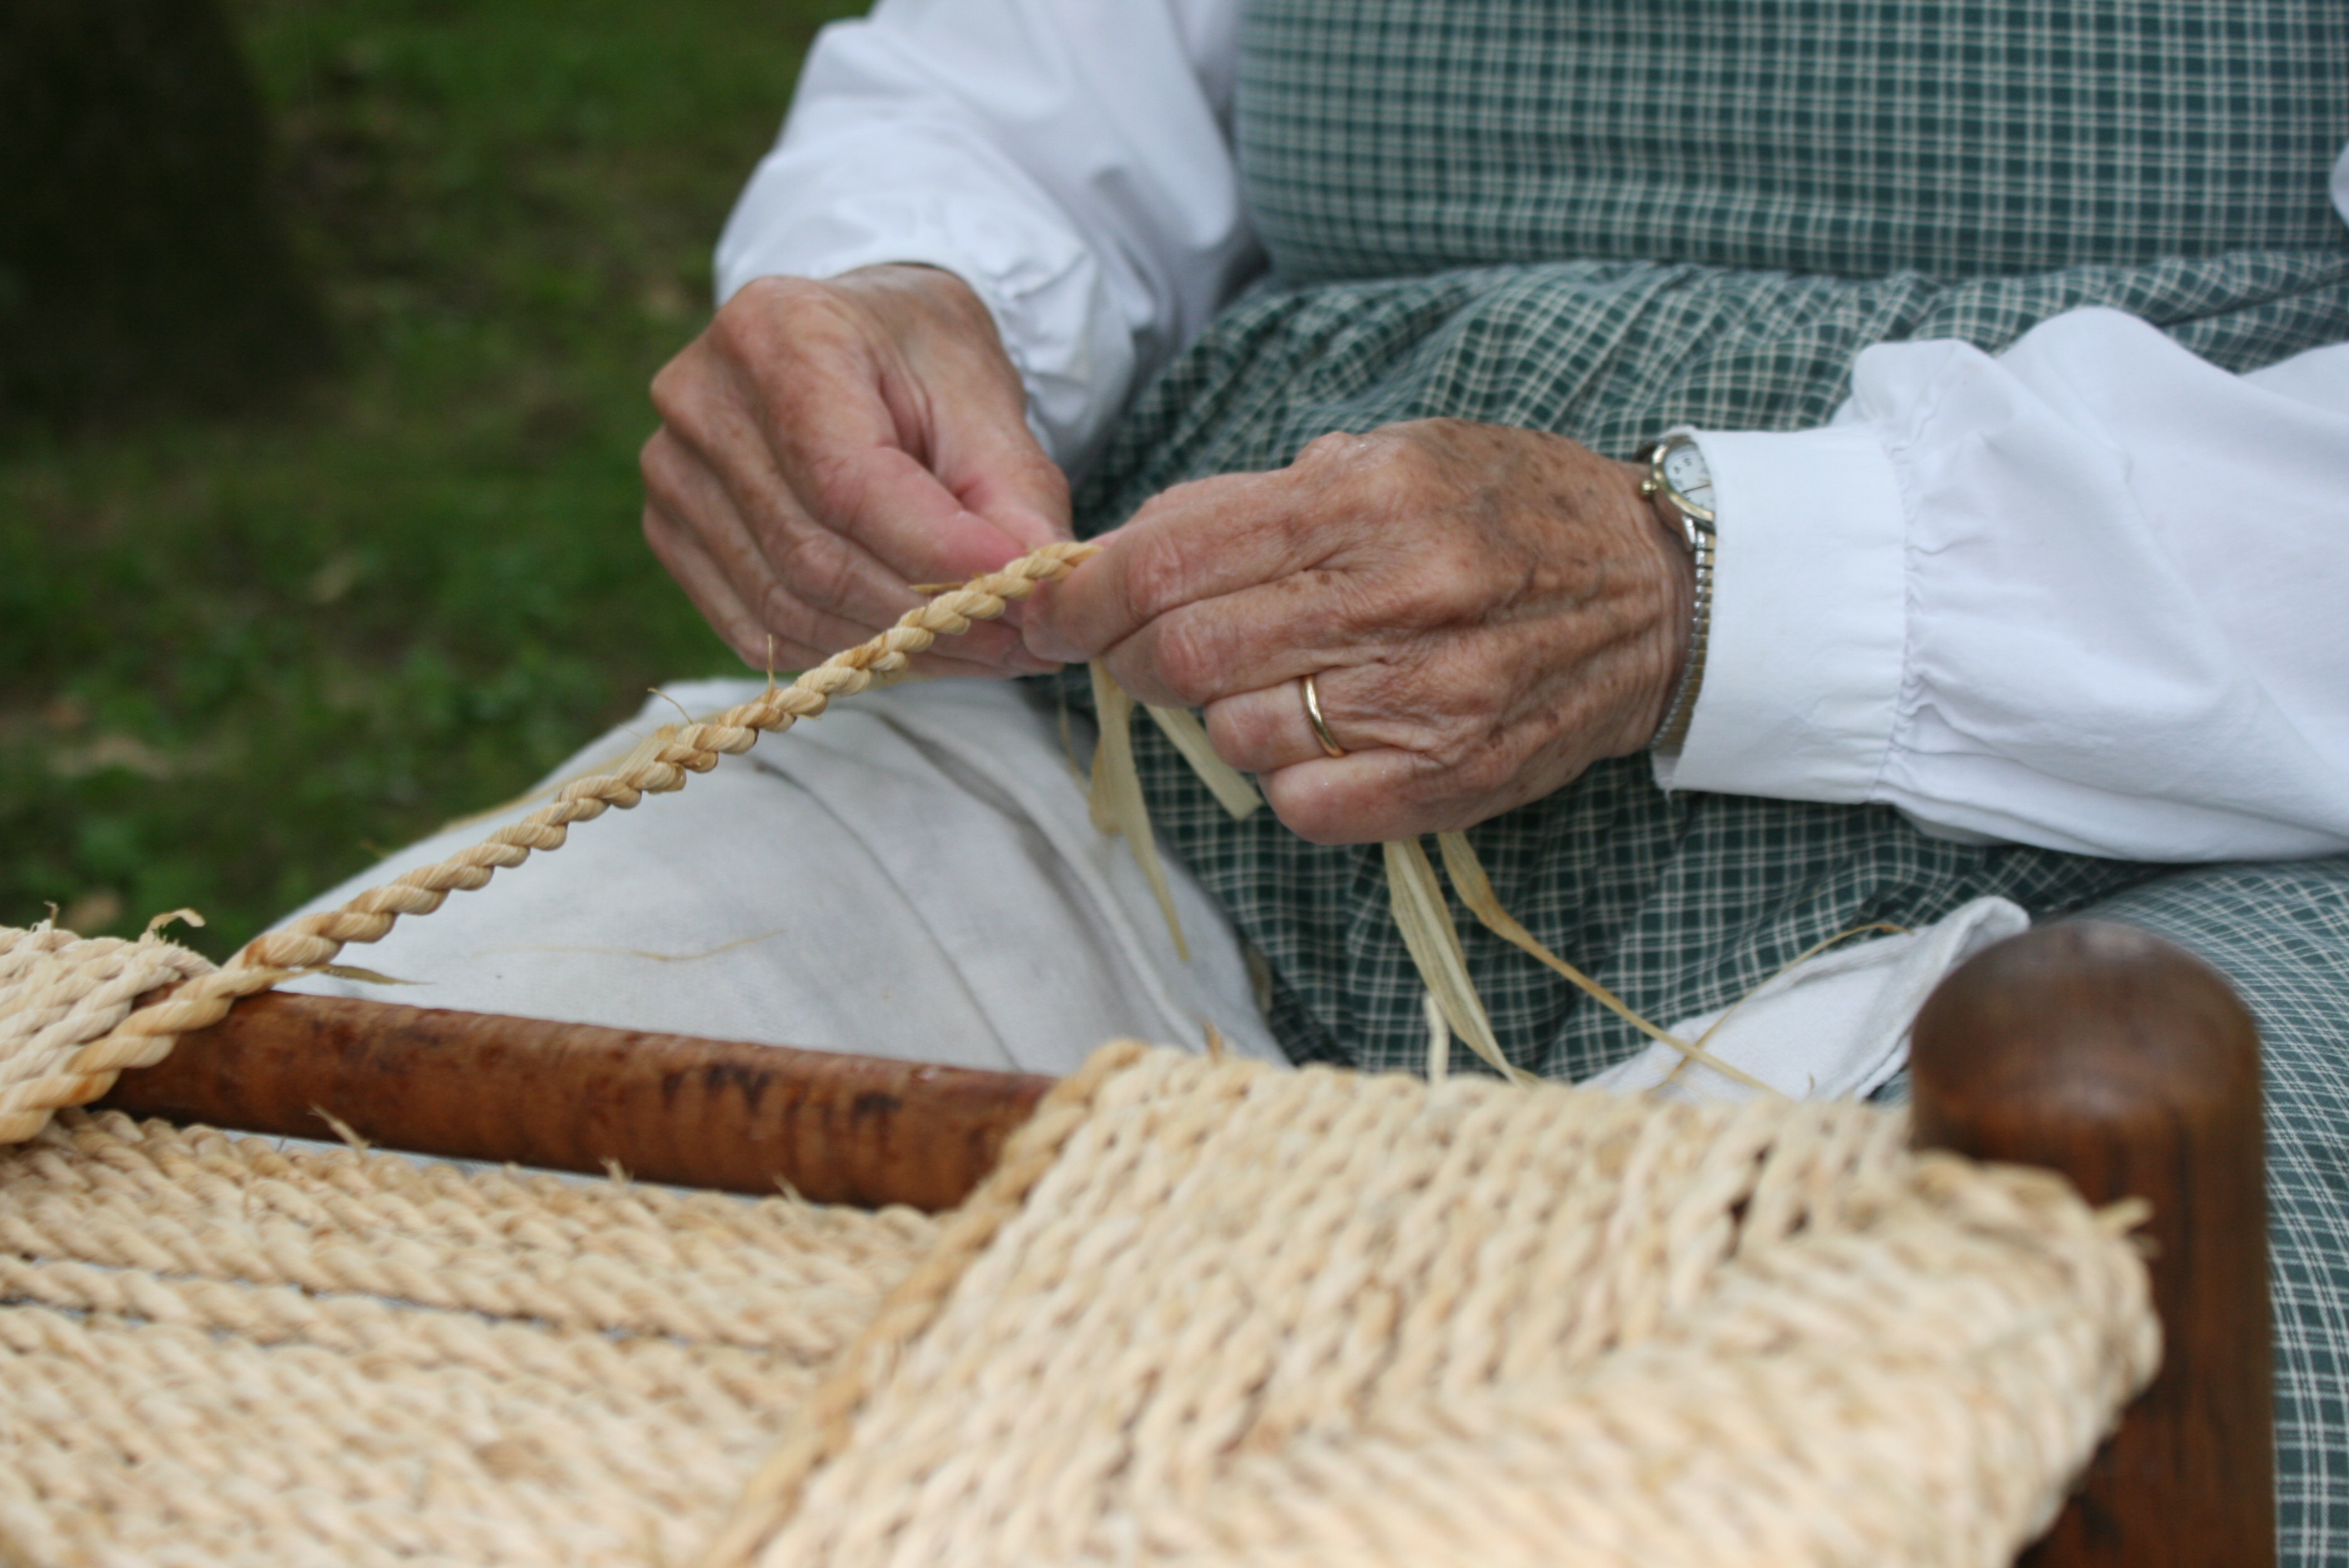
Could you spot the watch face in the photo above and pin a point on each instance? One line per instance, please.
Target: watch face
(1684, 470)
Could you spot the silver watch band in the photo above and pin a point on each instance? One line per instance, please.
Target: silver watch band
(1673, 733)
(1697, 534)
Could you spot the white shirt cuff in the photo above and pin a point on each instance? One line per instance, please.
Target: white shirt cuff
(1804, 669)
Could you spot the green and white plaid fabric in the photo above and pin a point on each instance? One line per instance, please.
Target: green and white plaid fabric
(1962, 138)
(1604, 217)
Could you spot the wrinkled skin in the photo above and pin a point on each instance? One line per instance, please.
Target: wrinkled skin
(824, 445)
(1486, 611)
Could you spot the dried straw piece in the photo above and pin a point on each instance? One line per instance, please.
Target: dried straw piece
(1434, 942)
(1475, 888)
(1116, 793)
(1231, 787)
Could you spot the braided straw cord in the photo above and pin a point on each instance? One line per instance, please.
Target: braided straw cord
(217, 1353)
(48, 1067)
(1211, 1311)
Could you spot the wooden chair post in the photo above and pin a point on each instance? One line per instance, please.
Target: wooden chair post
(2128, 1066)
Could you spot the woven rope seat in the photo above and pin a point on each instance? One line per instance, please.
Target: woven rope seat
(1203, 1311)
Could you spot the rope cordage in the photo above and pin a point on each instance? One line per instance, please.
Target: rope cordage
(58, 994)
(1217, 1313)
(219, 1355)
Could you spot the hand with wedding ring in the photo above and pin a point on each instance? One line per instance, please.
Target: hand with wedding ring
(1401, 633)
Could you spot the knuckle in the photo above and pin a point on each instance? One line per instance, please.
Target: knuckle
(785, 617)
(774, 318)
(653, 456)
(1173, 498)
(668, 382)
(680, 387)
(1381, 687)
(1156, 575)
(1481, 770)
(1417, 467)
(660, 533)
(1240, 732)
(802, 308)
(1450, 586)
(833, 486)
(1334, 448)
(759, 293)
(815, 568)
(669, 473)
(1187, 660)
(657, 461)
(764, 298)
(741, 327)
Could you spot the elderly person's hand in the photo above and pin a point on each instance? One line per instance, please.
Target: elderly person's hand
(1487, 612)
(824, 445)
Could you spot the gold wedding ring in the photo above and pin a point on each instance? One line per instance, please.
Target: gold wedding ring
(1321, 724)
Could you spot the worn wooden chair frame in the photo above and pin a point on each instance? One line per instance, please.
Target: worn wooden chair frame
(2096, 1050)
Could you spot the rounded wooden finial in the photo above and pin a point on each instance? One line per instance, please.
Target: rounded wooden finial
(2131, 1066)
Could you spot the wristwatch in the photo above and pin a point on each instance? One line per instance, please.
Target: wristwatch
(1678, 476)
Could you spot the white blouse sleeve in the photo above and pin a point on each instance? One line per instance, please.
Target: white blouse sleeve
(2091, 594)
(1070, 159)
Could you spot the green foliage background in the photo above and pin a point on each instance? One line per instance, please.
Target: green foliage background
(238, 660)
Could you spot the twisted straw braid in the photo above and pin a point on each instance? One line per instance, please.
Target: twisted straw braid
(52, 1067)
(58, 991)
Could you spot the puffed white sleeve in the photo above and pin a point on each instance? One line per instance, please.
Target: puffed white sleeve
(2092, 595)
(1070, 159)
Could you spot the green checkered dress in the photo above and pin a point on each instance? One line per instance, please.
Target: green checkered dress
(1606, 217)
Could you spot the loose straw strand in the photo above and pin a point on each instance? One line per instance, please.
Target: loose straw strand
(1475, 889)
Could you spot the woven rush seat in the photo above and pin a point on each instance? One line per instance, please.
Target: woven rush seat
(1203, 1311)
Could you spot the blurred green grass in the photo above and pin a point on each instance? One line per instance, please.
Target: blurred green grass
(237, 661)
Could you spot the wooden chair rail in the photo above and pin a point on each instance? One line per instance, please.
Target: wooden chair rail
(574, 1097)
